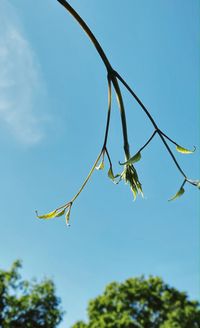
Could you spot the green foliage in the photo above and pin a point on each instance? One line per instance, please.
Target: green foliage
(133, 159)
(80, 324)
(100, 166)
(178, 194)
(183, 150)
(25, 304)
(142, 303)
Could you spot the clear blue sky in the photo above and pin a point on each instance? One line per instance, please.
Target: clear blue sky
(53, 103)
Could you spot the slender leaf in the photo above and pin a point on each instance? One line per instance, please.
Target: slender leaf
(67, 216)
(111, 174)
(133, 159)
(113, 177)
(49, 215)
(52, 214)
(100, 166)
(178, 194)
(184, 150)
(134, 191)
(60, 213)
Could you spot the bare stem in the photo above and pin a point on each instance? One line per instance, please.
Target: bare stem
(137, 99)
(108, 67)
(153, 122)
(123, 116)
(89, 33)
(88, 177)
(109, 159)
(166, 136)
(172, 141)
(148, 141)
(172, 155)
(109, 111)
(183, 183)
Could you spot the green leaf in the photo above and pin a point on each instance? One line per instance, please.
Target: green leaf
(49, 215)
(134, 191)
(139, 187)
(100, 166)
(178, 194)
(60, 213)
(67, 216)
(111, 174)
(133, 159)
(184, 150)
(52, 214)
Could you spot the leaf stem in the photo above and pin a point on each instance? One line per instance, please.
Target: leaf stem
(148, 141)
(185, 180)
(137, 99)
(172, 155)
(108, 155)
(88, 177)
(166, 136)
(89, 33)
(109, 111)
(108, 66)
(152, 121)
(172, 141)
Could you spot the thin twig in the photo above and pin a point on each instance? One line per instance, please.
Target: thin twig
(172, 155)
(88, 177)
(148, 141)
(137, 99)
(89, 33)
(108, 156)
(153, 122)
(108, 66)
(109, 111)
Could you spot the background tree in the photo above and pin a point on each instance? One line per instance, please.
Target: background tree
(27, 304)
(142, 303)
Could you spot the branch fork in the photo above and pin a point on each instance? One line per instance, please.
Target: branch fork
(129, 173)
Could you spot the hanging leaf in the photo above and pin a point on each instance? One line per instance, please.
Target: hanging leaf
(130, 176)
(184, 150)
(133, 159)
(113, 177)
(134, 191)
(67, 216)
(49, 215)
(111, 174)
(178, 194)
(100, 166)
(139, 187)
(52, 214)
(60, 213)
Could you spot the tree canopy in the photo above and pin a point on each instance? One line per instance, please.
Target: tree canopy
(25, 304)
(142, 303)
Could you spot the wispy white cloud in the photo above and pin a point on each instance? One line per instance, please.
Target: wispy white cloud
(20, 80)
